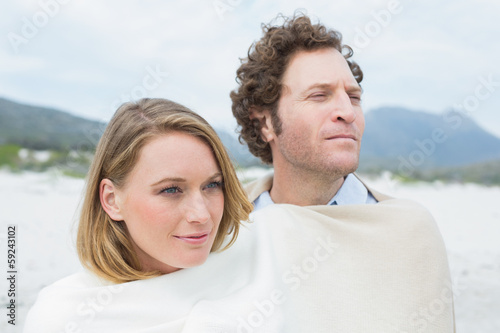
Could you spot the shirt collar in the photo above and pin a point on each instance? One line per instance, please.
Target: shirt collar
(352, 192)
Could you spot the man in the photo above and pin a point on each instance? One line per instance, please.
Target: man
(300, 110)
(299, 107)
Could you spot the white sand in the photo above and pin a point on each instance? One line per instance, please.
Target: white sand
(44, 206)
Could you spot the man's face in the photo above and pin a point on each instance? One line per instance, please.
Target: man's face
(321, 116)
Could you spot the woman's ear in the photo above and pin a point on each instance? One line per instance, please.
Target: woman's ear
(109, 199)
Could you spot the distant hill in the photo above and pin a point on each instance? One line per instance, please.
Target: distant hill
(238, 152)
(43, 128)
(401, 140)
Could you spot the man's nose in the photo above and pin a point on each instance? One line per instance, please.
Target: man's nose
(342, 108)
(197, 209)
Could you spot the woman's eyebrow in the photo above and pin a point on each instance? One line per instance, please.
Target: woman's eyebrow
(169, 179)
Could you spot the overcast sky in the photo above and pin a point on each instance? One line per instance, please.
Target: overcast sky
(87, 56)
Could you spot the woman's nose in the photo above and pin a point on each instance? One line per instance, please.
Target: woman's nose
(197, 209)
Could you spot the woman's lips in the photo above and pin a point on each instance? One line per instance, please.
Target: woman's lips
(195, 239)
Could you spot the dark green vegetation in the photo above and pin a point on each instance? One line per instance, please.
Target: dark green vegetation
(68, 141)
(69, 162)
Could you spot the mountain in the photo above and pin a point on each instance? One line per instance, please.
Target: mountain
(42, 128)
(237, 151)
(405, 140)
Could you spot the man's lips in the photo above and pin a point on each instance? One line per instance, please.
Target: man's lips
(342, 136)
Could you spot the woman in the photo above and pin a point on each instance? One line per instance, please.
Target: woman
(161, 195)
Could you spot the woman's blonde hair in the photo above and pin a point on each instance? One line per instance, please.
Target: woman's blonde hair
(103, 244)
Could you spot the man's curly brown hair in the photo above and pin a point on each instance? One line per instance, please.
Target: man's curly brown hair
(260, 75)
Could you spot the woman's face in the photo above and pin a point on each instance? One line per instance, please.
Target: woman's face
(172, 202)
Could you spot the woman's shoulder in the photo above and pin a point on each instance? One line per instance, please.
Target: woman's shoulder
(54, 308)
(68, 285)
(82, 279)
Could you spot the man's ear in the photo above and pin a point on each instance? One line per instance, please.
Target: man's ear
(266, 125)
(109, 199)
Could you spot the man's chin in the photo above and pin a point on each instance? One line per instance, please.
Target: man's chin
(343, 167)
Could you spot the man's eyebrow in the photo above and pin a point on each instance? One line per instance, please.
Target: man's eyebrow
(317, 85)
(354, 88)
(349, 88)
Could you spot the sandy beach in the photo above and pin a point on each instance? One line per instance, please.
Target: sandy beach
(44, 206)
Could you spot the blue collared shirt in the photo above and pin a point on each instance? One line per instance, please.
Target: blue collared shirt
(352, 192)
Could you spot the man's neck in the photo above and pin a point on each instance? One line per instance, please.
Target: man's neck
(304, 189)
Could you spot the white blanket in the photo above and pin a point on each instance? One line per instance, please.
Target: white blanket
(367, 268)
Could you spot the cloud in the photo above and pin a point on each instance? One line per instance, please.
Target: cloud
(428, 56)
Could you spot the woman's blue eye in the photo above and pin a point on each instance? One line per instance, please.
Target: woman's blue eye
(214, 184)
(171, 190)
